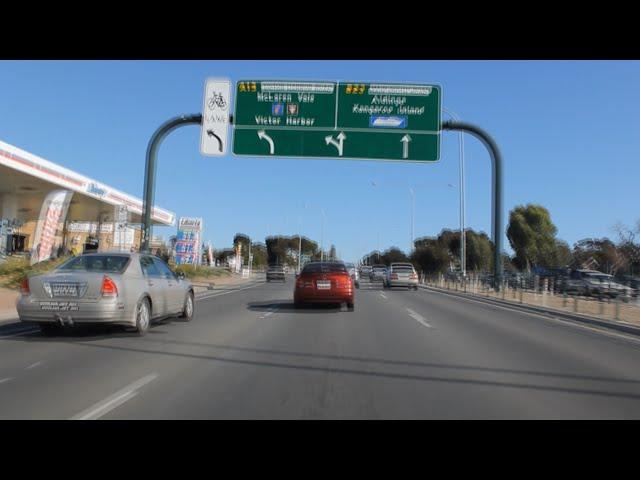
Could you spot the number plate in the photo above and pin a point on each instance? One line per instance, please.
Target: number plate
(64, 290)
(59, 306)
(323, 284)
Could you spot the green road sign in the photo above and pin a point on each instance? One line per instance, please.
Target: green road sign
(337, 120)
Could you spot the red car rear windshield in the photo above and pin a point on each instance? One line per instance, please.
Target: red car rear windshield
(324, 268)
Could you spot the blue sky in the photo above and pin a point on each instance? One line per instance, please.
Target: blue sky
(568, 132)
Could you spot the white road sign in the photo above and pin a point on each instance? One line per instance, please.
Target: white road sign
(122, 213)
(215, 117)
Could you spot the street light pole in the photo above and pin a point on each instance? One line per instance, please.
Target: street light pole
(299, 244)
(413, 199)
(496, 161)
(322, 238)
(150, 170)
(463, 258)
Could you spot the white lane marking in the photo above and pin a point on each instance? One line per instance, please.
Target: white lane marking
(547, 318)
(203, 297)
(3, 380)
(33, 365)
(270, 311)
(383, 296)
(113, 401)
(23, 332)
(418, 318)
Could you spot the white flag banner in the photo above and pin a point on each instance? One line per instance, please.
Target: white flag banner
(53, 211)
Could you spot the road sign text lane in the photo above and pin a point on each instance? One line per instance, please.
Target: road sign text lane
(385, 106)
(285, 104)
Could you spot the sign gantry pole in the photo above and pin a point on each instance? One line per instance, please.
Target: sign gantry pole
(150, 169)
(496, 160)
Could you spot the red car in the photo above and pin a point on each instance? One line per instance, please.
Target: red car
(324, 282)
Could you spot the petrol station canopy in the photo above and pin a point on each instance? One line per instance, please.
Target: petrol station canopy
(26, 179)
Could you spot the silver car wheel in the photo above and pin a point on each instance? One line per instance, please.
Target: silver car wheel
(143, 317)
(188, 310)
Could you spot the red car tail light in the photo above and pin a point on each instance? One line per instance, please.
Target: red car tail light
(304, 283)
(413, 276)
(343, 281)
(394, 276)
(109, 288)
(24, 287)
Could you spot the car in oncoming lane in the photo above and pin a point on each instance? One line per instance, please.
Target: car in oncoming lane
(324, 282)
(130, 289)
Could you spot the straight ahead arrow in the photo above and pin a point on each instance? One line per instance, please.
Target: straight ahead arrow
(405, 145)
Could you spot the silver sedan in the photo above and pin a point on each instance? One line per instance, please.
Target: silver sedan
(130, 289)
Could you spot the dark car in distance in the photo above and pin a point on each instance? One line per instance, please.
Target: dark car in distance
(276, 272)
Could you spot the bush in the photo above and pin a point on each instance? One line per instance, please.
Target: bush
(15, 269)
(190, 271)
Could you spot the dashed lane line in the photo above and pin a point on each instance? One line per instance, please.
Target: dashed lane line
(418, 318)
(114, 401)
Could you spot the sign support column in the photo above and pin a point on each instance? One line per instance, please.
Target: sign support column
(496, 160)
(150, 169)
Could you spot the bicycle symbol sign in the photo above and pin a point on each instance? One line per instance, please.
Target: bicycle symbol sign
(216, 104)
(217, 100)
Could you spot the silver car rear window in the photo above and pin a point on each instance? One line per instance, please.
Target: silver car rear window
(96, 263)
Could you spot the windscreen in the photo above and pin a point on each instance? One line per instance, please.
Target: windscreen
(96, 263)
(324, 268)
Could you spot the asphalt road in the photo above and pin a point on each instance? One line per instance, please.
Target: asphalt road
(248, 354)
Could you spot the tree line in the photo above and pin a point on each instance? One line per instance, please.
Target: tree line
(276, 249)
(533, 238)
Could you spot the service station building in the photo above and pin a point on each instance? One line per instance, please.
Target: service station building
(94, 217)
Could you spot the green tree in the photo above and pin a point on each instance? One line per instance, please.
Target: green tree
(629, 248)
(394, 255)
(564, 256)
(245, 241)
(598, 253)
(259, 252)
(531, 234)
(478, 248)
(431, 257)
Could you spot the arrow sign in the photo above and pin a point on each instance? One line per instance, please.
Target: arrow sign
(212, 134)
(405, 147)
(330, 141)
(263, 136)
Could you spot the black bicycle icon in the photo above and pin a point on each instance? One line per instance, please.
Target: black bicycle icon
(217, 100)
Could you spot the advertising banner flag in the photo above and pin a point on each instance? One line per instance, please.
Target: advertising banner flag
(54, 210)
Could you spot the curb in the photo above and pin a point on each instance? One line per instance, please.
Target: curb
(622, 327)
